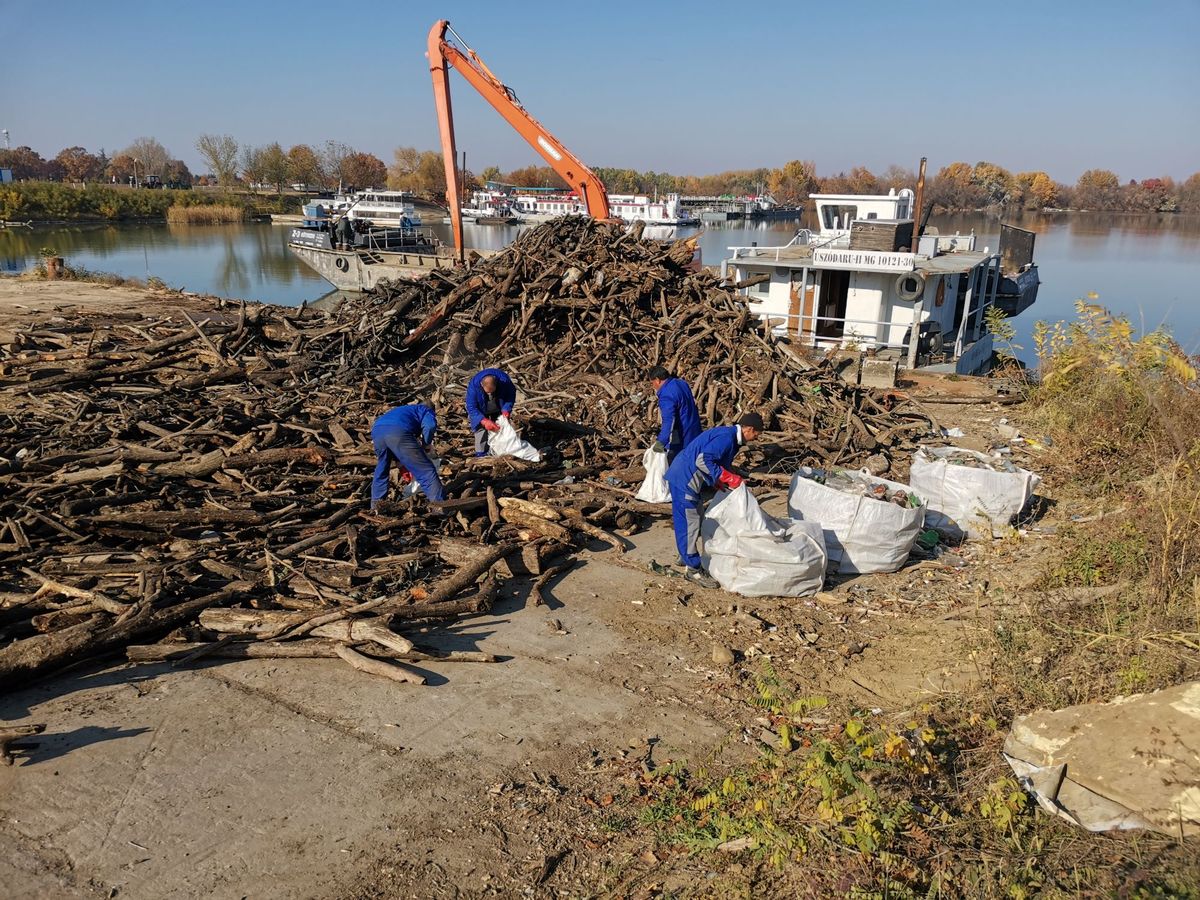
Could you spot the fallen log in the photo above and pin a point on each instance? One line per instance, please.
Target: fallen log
(302, 649)
(377, 666)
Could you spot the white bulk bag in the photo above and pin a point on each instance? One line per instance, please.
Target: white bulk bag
(506, 442)
(654, 487)
(756, 555)
(862, 534)
(963, 500)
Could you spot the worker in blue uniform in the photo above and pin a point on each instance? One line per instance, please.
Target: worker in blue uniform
(403, 435)
(680, 418)
(490, 395)
(704, 463)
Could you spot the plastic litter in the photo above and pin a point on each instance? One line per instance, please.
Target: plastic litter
(1129, 763)
(968, 493)
(870, 524)
(757, 555)
(506, 442)
(654, 487)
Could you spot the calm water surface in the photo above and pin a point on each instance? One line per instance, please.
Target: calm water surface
(1146, 267)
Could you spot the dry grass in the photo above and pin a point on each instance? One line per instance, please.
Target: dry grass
(214, 214)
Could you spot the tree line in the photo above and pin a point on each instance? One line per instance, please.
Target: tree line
(230, 164)
(959, 186)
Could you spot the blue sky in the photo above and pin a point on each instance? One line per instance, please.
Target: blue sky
(688, 88)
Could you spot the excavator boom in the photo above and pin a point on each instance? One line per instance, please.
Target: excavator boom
(442, 56)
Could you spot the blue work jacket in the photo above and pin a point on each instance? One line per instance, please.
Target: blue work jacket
(701, 462)
(415, 420)
(506, 394)
(679, 414)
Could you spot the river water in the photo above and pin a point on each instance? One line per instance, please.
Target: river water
(1146, 267)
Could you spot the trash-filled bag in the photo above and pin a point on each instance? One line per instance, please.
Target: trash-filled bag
(754, 554)
(654, 487)
(969, 493)
(870, 523)
(506, 442)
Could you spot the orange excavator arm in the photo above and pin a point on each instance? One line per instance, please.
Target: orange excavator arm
(442, 56)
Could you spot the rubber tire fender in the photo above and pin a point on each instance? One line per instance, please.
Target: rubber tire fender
(904, 293)
(342, 264)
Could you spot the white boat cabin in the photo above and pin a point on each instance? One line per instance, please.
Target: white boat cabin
(858, 284)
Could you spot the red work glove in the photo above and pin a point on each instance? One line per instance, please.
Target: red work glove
(507, 413)
(489, 425)
(405, 476)
(729, 480)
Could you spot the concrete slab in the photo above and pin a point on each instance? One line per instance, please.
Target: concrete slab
(275, 778)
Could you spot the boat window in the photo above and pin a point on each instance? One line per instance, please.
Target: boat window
(834, 215)
(763, 288)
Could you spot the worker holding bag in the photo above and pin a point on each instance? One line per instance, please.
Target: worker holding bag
(701, 464)
(490, 397)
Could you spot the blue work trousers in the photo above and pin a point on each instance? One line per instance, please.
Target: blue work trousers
(394, 444)
(685, 517)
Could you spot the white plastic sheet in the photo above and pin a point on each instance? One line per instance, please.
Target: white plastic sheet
(754, 554)
(654, 487)
(962, 500)
(862, 534)
(506, 442)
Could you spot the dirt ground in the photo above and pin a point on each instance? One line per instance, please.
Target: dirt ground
(303, 778)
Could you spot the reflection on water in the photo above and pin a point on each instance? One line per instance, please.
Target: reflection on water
(1144, 266)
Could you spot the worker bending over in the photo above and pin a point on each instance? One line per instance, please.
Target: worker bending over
(403, 435)
(701, 464)
(680, 419)
(490, 395)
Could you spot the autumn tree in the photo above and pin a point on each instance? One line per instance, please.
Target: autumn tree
(121, 168)
(220, 154)
(152, 157)
(177, 173)
(332, 155)
(995, 183)
(537, 176)
(952, 188)
(1151, 195)
(363, 170)
(303, 167)
(79, 165)
(1189, 194)
(491, 173)
(897, 178)
(421, 172)
(253, 167)
(1035, 190)
(25, 162)
(1098, 189)
(794, 181)
(274, 166)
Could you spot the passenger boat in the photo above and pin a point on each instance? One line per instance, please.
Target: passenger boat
(641, 208)
(384, 208)
(858, 284)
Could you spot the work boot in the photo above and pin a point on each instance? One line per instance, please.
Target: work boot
(702, 578)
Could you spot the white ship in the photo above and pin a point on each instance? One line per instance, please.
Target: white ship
(384, 208)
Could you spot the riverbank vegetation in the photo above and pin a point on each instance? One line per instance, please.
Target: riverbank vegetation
(207, 214)
(837, 801)
(51, 201)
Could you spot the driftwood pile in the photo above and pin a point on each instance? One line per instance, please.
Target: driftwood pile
(205, 475)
